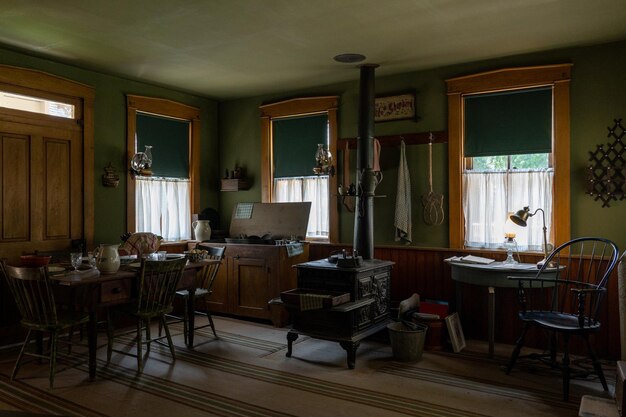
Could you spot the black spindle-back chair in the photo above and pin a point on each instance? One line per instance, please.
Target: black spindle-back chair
(565, 298)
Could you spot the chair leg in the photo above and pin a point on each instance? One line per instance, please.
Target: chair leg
(53, 355)
(596, 364)
(19, 356)
(139, 352)
(70, 334)
(39, 345)
(553, 345)
(186, 320)
(565, 367)
(169, 337)
(109, 336)
(148, 336)
(208, 314)
(517, 349)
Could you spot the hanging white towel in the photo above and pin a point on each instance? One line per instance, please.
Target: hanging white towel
(402, 221)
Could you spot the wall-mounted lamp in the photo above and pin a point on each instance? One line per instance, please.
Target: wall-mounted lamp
(520, 218)
(141, 163)
(323, 161)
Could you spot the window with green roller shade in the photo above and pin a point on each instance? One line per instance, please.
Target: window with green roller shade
(169, 139)
(508, 123)
(295, 142)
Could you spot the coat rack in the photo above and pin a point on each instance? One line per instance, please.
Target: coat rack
(345, 144)
(422, 138)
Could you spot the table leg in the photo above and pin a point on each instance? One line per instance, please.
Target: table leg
(92, 341)
(459, 297)
(492, 318)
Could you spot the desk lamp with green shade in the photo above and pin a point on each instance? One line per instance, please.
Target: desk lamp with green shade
(520, 218)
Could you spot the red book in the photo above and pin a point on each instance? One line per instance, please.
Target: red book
(439, 308)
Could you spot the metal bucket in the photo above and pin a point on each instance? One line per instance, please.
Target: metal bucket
(407, 343)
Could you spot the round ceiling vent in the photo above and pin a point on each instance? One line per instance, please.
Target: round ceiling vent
(349, 58)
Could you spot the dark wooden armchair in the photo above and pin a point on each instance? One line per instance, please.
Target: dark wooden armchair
(564, 298)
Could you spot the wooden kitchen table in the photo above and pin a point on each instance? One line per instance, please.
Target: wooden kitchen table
(104, 290)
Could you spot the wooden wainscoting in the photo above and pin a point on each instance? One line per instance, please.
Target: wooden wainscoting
(423, 271)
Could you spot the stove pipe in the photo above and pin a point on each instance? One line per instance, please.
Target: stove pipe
(365, 177)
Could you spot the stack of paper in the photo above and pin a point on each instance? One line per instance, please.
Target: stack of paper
(471, 259)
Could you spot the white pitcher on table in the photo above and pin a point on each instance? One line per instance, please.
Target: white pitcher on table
(107, 258)
(202, 229)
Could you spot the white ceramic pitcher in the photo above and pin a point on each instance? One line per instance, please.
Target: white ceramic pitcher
(107, 259)
(202, 229)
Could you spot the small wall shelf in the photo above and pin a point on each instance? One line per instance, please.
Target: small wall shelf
(235, 184)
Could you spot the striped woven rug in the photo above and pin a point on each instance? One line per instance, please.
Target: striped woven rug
(246, 373)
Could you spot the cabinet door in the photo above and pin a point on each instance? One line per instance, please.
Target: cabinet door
(251, 283)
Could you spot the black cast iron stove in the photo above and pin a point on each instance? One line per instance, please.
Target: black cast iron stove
(366, 282)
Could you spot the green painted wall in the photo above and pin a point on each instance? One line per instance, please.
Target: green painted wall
(110, 136)
(598, 95)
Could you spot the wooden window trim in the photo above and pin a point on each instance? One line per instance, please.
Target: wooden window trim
(299, 107)
(557, 76)
(169, 108)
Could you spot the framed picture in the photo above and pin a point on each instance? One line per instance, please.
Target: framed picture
(456, 332)
(394, 107)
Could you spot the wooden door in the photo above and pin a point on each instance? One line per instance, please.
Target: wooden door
(41, 187)
(46, 174)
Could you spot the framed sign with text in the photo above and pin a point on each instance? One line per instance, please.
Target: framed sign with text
(398, 107)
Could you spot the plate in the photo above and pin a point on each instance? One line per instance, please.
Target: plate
(54, 269)
(135, 265)
(126, 259)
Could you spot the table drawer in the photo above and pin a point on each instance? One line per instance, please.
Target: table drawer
(116, 290)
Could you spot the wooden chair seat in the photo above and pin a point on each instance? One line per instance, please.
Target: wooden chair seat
(563, 322)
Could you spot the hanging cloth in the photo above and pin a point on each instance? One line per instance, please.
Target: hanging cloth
(376, 164)
(402, 221)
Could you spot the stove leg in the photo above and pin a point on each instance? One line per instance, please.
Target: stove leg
(291, 337)
(351, 348)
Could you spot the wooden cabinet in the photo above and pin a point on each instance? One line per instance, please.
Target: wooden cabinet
(252, 275)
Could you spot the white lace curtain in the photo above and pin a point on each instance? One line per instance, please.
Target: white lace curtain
(488, 199)
(162, 207)
(300, 189)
